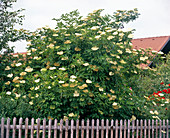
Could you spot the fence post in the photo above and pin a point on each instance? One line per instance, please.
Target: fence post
(92, 130)
(82, 128)
(26, 128)
(49, 128)
(102, 130)
(111, 133)
(32, 128)
(38, 127)
(61, 128)
(153, 128)
(149, 128)
(156, 128)
(128, 128)
(141, 128)
(44, 127)
(133, 131)
(72, 130)
(107, 125)
(66, 132)
(2, 127)
(20, 128)
(97, 129)
(55, 128)
(163, 128)
(14, 127)
(160, 128)
(77, 128)
(167, 131)
(121, 128)
(145, 125)
(116, 126)
(8, 128)
(124, 128)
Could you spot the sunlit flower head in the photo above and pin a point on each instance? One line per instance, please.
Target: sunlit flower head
(97, 37)
(18, 64)
(108, 28)
(95, 27)
(15, 55)
(22, 81)
(111, 73)
(122, 61)
(38, 80)
(71, 114)
(67, 42)
(23, 73)
(7, 68)
(153, 51)
(110, 37)
(115, 33)
(56, 47)
(114, 104)
(52, 68)
(60, 81)
(33, 49)
(86, 64)
(72, 80)
(43, 70)
(88, 81)
(143, 58)
(73, 77)
(94, 48)
(101, 89)
(8, 93)
(63, 69)
(77, 49)
(17, 95)
(151, 112)
(130, 36)
(113, 97)
(67, 34)
(50, 46)
(55, 34)
(128, 51)
(37, 87)
(65, 85)
(76, 94)
(28, 69)
(109, 31)
(77, 34)
(119, 51)
(60, 53)
(160, 52)
(31, 102)
(49, 87)
(15, 79)
(8, 82)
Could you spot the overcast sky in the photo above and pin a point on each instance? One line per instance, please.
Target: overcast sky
(153, 21)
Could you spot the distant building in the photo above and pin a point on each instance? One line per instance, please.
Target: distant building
(161, 43)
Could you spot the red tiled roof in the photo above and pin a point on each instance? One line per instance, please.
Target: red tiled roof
(156, 43)
(24, 53)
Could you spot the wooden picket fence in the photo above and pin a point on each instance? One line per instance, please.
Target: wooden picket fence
(84, 129)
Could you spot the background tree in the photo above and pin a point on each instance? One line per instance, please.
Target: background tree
(8, 33)
(8, 20)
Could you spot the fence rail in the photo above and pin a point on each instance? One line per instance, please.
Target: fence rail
(84, 129)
